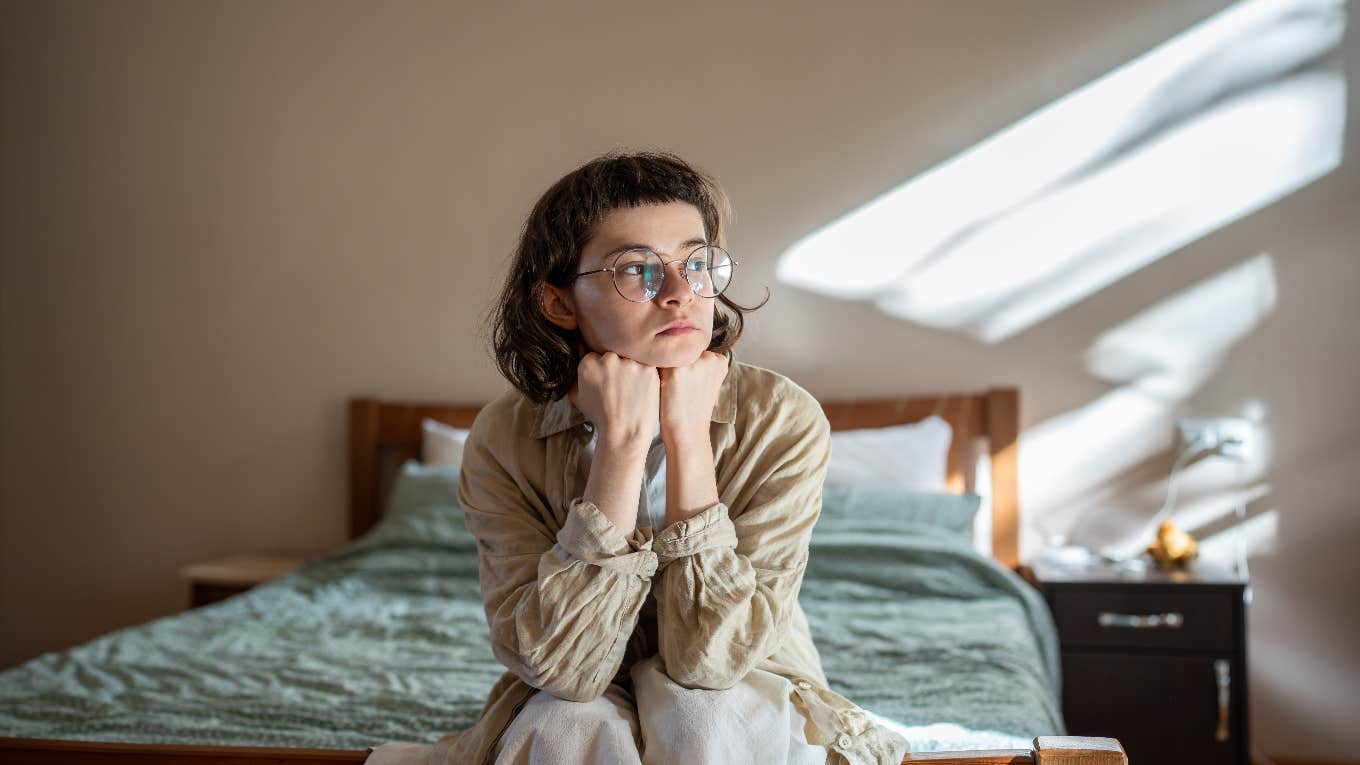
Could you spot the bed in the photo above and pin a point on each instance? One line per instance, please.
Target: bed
(384, 639)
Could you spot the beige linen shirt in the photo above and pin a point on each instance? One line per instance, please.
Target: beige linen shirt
(572, 603)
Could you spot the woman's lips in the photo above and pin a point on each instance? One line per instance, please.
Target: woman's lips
(678, 331)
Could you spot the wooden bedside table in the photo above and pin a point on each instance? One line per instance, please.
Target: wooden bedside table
(1157, 660)
(216, 580)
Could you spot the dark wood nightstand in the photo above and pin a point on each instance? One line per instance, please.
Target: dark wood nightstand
(216, 580)
(1155, 659)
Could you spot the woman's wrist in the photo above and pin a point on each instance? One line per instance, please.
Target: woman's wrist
(615, 481)
(687, 437)
(691, 481)
(623, 443)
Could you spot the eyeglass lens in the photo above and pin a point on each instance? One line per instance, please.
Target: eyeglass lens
(639, 274)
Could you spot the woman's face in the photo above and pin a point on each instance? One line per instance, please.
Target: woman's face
(609, 322)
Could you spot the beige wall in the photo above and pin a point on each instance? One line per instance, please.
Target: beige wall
(222, 220)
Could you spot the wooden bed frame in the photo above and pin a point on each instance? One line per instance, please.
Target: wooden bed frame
(382, 435)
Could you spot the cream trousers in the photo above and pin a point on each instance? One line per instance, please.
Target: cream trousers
(660, 722)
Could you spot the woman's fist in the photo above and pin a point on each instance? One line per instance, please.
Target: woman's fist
(688, 395)
(620, 396)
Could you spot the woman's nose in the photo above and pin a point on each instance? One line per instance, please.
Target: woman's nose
(676, 288)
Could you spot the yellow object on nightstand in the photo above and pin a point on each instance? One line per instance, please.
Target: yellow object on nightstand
(1172, 548)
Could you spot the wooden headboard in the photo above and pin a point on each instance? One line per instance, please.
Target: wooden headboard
(384, 434)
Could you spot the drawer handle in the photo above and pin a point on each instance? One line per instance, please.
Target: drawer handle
(1221, 673)
(1171, 620)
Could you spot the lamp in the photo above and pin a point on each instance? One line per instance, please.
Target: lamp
(1229, 437)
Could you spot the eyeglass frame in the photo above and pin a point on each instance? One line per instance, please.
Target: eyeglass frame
(664, 267)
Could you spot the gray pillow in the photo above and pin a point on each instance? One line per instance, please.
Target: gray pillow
(872, 509)
(423, 506)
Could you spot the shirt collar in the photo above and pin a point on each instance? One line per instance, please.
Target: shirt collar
(560, 414)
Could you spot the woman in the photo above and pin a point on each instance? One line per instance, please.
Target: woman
(642, 501)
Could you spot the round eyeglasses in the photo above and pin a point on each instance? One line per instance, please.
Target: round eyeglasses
(640, 273)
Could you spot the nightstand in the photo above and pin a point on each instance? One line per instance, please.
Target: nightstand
(216, 580)
(1155, 659)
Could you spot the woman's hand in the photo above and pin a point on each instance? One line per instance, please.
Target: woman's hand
(688, 395)
(620, 396)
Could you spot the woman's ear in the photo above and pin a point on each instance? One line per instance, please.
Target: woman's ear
(558, 306)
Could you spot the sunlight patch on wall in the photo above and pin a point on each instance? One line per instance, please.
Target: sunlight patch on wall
(1066, 457)
(1211, 505)
(1216, 123)
(1254, 536)
(1072, 464)
(1170, 349)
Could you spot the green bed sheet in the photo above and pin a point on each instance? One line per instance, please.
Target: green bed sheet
(385, 640)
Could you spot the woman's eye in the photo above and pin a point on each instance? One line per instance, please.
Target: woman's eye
(633, 269)
(698, 266)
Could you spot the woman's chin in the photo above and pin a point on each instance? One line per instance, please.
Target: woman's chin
(679, 361)
(677, 357)
(667, 352)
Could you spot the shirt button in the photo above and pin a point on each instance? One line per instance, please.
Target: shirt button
(843, 741)
(804, 684)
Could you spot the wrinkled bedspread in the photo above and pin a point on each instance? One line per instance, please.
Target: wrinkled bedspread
(385, 640)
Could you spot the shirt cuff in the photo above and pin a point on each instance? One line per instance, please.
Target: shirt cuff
(589, 536)
(704, 531)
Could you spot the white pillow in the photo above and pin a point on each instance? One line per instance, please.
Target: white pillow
(441, 444)
(911, 456)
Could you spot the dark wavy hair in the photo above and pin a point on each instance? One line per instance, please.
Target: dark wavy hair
(539, 357)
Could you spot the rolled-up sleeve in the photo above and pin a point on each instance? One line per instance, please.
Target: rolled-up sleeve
(726, 586)
(560, 607)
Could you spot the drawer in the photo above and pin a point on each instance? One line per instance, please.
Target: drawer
(1179, 619)
(1168, 710)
